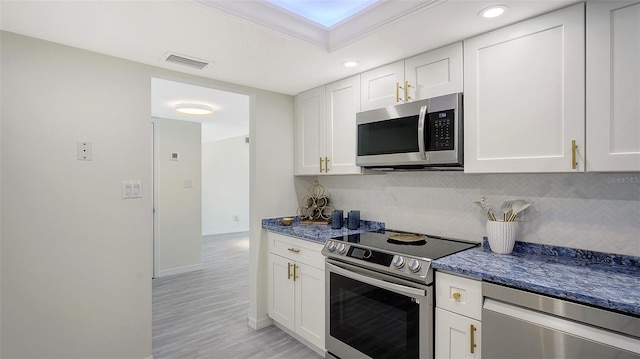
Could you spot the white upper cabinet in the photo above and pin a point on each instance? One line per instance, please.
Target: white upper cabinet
(613, 86)
(325, 122)
(381, 86)
(524, 96)
(434, 73)
(310, 145)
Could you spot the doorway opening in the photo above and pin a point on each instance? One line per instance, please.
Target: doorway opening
(201, 172)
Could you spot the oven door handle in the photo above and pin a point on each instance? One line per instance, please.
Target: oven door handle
(398, 288)
(421, 122)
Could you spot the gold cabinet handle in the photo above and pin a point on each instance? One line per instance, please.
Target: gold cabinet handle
(294, 250)
(456, 295)
(288, 270)
(321, 165)
(472, 334)
(398, 99)
(406, 91)
(326, 164)
(295, 274)
(574, 148)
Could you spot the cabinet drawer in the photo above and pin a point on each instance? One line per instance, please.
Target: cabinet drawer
(459, 295)
(296, 249)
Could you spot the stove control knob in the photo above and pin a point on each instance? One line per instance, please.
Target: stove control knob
(331, 246)
(342, 248)
(398, 262)
(414, 265)
(367, 254)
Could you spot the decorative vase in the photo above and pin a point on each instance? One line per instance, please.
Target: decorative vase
(502, 236)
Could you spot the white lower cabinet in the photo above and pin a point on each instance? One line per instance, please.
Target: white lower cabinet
(296, 288)
(458, 317)
(457, 336)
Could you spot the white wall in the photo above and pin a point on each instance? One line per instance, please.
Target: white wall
(225, 186)
(598, 212)
(76, 258)
(271, 191)
(178, 208)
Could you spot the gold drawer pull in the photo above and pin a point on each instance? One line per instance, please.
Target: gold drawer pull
(326, 164)
(456, 295)
(406, 91)
(288, 270)
(574, 148)
(472, 334)
(295, 275)
(294, 250)
(398, 99)
(321, 165)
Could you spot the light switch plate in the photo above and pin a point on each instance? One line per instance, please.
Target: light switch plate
(131, 189)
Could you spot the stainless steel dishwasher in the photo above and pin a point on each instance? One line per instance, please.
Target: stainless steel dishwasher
(520, 324)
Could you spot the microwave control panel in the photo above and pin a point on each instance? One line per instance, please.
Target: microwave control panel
(441, 131)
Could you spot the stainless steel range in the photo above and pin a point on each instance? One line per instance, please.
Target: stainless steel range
(380, 293)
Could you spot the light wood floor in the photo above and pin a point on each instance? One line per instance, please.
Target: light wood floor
(203, 314)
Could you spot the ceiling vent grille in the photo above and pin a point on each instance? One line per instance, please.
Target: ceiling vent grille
(185, 61)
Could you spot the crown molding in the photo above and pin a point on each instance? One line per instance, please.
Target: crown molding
(281, 22)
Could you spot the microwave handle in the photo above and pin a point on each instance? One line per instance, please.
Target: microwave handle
(421, 124)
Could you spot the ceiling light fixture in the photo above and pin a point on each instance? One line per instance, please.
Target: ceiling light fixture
(193, 109)
(350, 63)
(493, 11)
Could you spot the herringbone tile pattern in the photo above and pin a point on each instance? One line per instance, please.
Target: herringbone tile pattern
(600, 212)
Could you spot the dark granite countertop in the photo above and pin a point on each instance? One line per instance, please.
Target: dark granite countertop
(317, 232)
(603, 280)
(608, 281)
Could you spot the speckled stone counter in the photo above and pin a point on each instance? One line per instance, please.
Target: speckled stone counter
(317, 232)
(603, 280)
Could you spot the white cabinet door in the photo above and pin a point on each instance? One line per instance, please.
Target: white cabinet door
(343, 102)
(524, 95)
(455, 336)
(309, 316)
(310, 138)
(613, 86)
(434, 73)
(281, 291)
(381, 86)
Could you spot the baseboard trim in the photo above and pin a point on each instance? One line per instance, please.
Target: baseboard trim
(257, 324)
(180, 270)
(235, 231)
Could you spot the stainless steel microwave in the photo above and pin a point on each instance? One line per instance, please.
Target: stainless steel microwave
(424, 134)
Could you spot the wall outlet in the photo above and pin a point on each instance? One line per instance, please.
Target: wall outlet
(84, 151)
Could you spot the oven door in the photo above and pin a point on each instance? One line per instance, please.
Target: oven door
(373, 315)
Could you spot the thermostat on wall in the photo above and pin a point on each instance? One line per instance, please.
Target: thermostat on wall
(174, 156)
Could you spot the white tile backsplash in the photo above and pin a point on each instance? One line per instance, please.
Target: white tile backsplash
(599, 212)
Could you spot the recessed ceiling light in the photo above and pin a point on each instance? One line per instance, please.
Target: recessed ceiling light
(350, 63)
(193, 109)
(493, 11)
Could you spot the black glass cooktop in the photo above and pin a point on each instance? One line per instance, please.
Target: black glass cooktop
(398, 242)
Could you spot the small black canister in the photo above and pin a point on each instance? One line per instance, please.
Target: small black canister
(337, 218)
(353, 222)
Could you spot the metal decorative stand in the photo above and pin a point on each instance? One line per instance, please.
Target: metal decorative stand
(315, 205)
